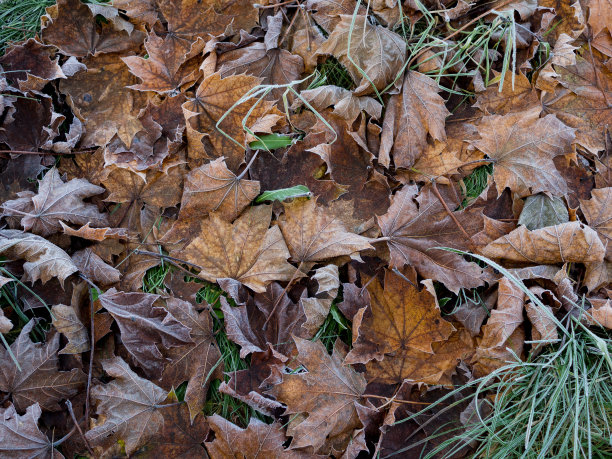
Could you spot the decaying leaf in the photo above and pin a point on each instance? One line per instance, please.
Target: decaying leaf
(21, 437)
(38, 380)
(541, 210)
(214, 188)
(247, 251)
(44, 260)
(409, 118)
(417, 224)
(145, 328)
(330, 408)
(197, 363)
(522, 147)
(598, 213)
(564, 243)
(372, 54)
(314, 234)
(68, 324)
(128, 407)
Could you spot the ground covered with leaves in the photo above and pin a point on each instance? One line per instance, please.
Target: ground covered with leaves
(305, 228)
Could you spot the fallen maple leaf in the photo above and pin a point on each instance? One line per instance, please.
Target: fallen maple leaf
(399, 317)
(163, 71)
(247, 251)
(145, 327)
(38, 379)
(20, 436)
(521, 147)
(315, 234)
(214, 188)
(410, 116)
(128, 408)
(564, 243)
(417, 223)
(197, 362)
(100, 97)
(326, 393)
(44, 260)
(56, 201)
(95, 268)
(257, 440)
(372, 54)
(598, 213)
(66, 321)
(59, 30)
(346, 104)
(213, 99)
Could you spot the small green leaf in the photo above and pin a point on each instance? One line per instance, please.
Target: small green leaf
(297, 191)
(271, 142)
(541, 211)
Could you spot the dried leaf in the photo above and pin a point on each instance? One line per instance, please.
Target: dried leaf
(68, 324)
(522, 147)
(214, 188)
(145, 328)
(128, 408)
(409, 117)
(246, 251)
(197, 363)
(20, 436)
(565, 243)
(417, 223)
(541, 210)
(44, 260)
(313, 233)
(38, 380)
(330, 409)
(598, 212)
(372, 54)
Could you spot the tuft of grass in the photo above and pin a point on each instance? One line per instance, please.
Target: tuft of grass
(20, 20)
(153, 280)
(333, 72)
(475, 183)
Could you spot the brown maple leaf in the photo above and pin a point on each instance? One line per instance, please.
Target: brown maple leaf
(273, 65)
(179, 437)
(213, 99)
(20, 436)
(347, 105)
(564, 243)
(128, 408)
(586, 102)
(164, 70)
(44, 260)
(399, 317)
(517, 95)
(522, 147)
(417, 366)
(66, 321)
(30, 65)
(247, 251)
(139, 10)
(197, 362)
(372, 54)
(145, 327)
(257, 440)
(214, 188)
(57, 200)
(409, 117)
(300, 167)
(326, 393)
(244, 325)
(101, 99)
(95, 268)
(313, 233)
(70, 26)
(157, 189)
(38, 379)
(598, 213)
(417, 223)
(33, 124)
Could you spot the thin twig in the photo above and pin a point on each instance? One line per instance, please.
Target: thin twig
(87, 445)
(246, 169)
(171, 260)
